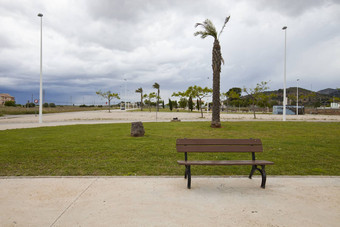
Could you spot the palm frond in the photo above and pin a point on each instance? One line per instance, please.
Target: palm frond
(198, 24)
(201, 33)
(156, 86)
(139, 90)
(225, 22)
(209, 29)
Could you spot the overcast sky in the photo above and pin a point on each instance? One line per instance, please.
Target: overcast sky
(92, 45)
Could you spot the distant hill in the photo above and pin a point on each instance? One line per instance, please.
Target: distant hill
(331, 92)
(306, 97)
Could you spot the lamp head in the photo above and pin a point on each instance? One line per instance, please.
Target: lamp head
(284, 28)
(40, 15)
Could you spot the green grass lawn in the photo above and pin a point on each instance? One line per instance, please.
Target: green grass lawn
(9, 110)
(297, 148)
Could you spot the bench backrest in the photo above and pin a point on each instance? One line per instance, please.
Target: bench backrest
(219, 145)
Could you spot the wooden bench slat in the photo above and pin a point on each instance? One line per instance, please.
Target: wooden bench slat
(223, 148)
(226, 162)
(218, 142)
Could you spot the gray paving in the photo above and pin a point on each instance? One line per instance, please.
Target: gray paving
(165, 201)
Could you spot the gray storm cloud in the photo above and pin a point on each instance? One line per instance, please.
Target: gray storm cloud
(92, 45)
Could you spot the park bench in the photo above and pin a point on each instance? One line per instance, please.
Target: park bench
(222, 145)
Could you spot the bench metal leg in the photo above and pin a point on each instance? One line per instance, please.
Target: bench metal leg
(186, 172)
(263, 174)
(189, 177)
(253, 168)
(264, 177)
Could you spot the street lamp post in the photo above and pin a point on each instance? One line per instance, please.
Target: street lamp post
(125, 93)
(297, 96)
(40, 93)
(284, 78)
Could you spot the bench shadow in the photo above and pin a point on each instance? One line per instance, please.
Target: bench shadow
(242, 185)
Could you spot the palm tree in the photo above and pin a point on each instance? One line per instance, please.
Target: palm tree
(140, 90)
(156, 86)
(210, 30)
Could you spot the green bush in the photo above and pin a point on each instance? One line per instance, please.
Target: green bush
(52, 105)
(45, 104)
(31, 104)
(10, 103)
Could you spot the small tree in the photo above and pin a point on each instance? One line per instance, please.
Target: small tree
(256, 94)
(140, 90)
(175, 104)
(170, 104)
(195, 91)
(190, 104)
(108, 95)
(233, 94)
(149, 98)
(183, 103)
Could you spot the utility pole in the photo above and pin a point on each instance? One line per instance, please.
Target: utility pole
(297, 97)
(41, 95)
(284, 78)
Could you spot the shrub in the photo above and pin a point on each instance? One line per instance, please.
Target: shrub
(170, 104)
(10, 103)
(82, 105)
(31, 104)
(45, 104)
(52, 105)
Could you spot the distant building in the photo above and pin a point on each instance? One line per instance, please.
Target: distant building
(5, 97)
(335, 105)
(290, 110)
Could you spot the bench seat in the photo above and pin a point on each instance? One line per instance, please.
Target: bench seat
(227, 162)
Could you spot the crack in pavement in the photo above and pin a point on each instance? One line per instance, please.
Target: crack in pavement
(74, 201)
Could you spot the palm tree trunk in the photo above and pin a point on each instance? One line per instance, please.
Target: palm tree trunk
(201, 108)
(216, 66)
(157, 99)
(149, 104)
(141, 101)
(254, 108)
(109, 105)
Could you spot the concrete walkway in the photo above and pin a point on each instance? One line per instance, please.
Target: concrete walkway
(165, 201)
(118, 116)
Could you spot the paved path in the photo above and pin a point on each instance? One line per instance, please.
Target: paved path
(118, 116)
(165, 201)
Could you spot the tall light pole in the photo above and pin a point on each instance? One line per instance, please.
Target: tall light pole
(41, 98)
(125, 93)
(297, 96)
(284, 78)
